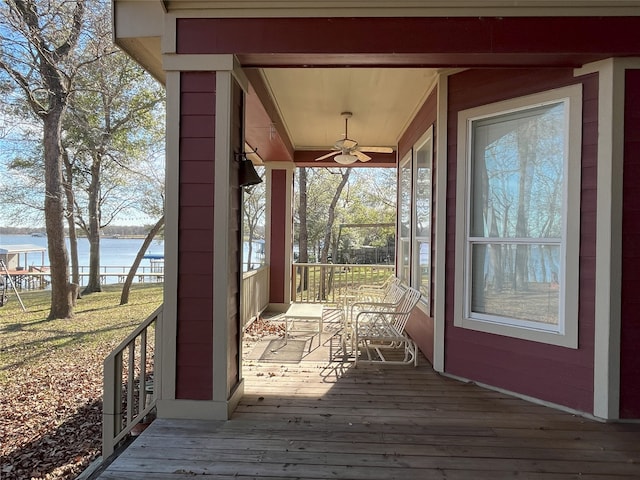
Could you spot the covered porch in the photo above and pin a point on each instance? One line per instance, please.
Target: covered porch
(240, 81)
(328, 420)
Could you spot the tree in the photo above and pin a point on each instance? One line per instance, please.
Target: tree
(303, 240)
(367, 198)
(124, 296)
(327, 240)
(253, 212)
(36, 54)
(112, 123)
(334, 184)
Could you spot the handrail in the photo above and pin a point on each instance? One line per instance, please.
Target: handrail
(129, 393)
(255, 294)
(329, 282)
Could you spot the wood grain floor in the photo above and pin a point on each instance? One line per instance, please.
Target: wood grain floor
(315, 420)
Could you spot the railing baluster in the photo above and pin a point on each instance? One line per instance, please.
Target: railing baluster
(131, 378)
(116, 425)
(142, 382)
(344, 278)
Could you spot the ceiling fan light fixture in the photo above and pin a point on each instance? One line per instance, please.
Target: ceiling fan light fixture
(343, 159)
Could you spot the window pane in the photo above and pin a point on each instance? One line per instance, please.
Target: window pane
(517, 174)
(405, 200)
(519, 281)
(423, 190)
(424, 268)
(404, 203)
(404, 260)
(422, 255)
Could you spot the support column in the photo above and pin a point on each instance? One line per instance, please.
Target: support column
(439, 280)
(200, 334)
(611, 97)
(279, 224)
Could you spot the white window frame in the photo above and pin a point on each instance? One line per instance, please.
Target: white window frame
(409, 273)
(426, 139)
(566, 332)
(404, 242)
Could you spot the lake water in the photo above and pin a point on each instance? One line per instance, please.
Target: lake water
(113, 251)
(119, 252)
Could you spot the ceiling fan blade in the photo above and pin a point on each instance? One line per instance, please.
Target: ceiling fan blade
(327, 155)
(363, 157)
(376, 149)
(346, 144)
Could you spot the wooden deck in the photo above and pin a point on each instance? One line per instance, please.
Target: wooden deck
(313, 420)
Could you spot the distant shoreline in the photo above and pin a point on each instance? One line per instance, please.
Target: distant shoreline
(133, 232)
(116, 236)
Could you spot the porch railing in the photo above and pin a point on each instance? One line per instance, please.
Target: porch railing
(328, 282)
(129, 393)
(255, 294)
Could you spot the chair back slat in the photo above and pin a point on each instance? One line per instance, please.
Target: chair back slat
(409, 300)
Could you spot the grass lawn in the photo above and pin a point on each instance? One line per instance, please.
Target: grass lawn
(51, 378)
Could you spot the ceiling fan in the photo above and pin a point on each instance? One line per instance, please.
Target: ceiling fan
(346, 150)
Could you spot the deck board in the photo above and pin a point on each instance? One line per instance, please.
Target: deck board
(329, 420)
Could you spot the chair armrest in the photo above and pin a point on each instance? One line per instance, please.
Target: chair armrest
(371, 307)
(377, 324)
(383, 313)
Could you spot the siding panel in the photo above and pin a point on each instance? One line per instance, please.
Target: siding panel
(630, 338)
(235, 241)
(194, 369)
(277, 240)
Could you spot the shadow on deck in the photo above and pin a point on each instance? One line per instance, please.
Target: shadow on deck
(320, 418)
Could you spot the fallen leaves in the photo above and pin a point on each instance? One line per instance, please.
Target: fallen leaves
(51, 416)
(51, 381)
(261, 328)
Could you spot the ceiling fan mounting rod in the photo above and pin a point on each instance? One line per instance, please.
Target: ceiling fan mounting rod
(347, 116)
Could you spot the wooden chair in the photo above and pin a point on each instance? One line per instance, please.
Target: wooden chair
(383, 328)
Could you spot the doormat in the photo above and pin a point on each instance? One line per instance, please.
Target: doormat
(278, 351)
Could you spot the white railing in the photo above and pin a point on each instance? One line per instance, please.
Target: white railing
(39, 277)
(328, 282)
(255, 294)
(129, 393)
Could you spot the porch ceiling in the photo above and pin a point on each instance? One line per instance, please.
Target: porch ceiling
(302, 108)
(313, 60)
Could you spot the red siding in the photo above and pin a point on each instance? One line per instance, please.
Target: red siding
(420, 325)
(560, 375)
(280, 215)
(235, 242)
(425, 117)
(194, 361)
(436, 41)
(629, 357)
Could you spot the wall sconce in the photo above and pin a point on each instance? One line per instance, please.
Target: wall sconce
(247, 174)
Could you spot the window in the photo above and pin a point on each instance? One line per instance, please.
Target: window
(415, 213)
(404, 220)
(423, 154)
(517, 213)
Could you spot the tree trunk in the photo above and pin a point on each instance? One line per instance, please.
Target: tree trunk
(520, 278)
(303, 240)
(93, 232)
(495, 256)
(54, 208)
(124, 297)
(250, 250)
(326, 244)
(71, 219)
